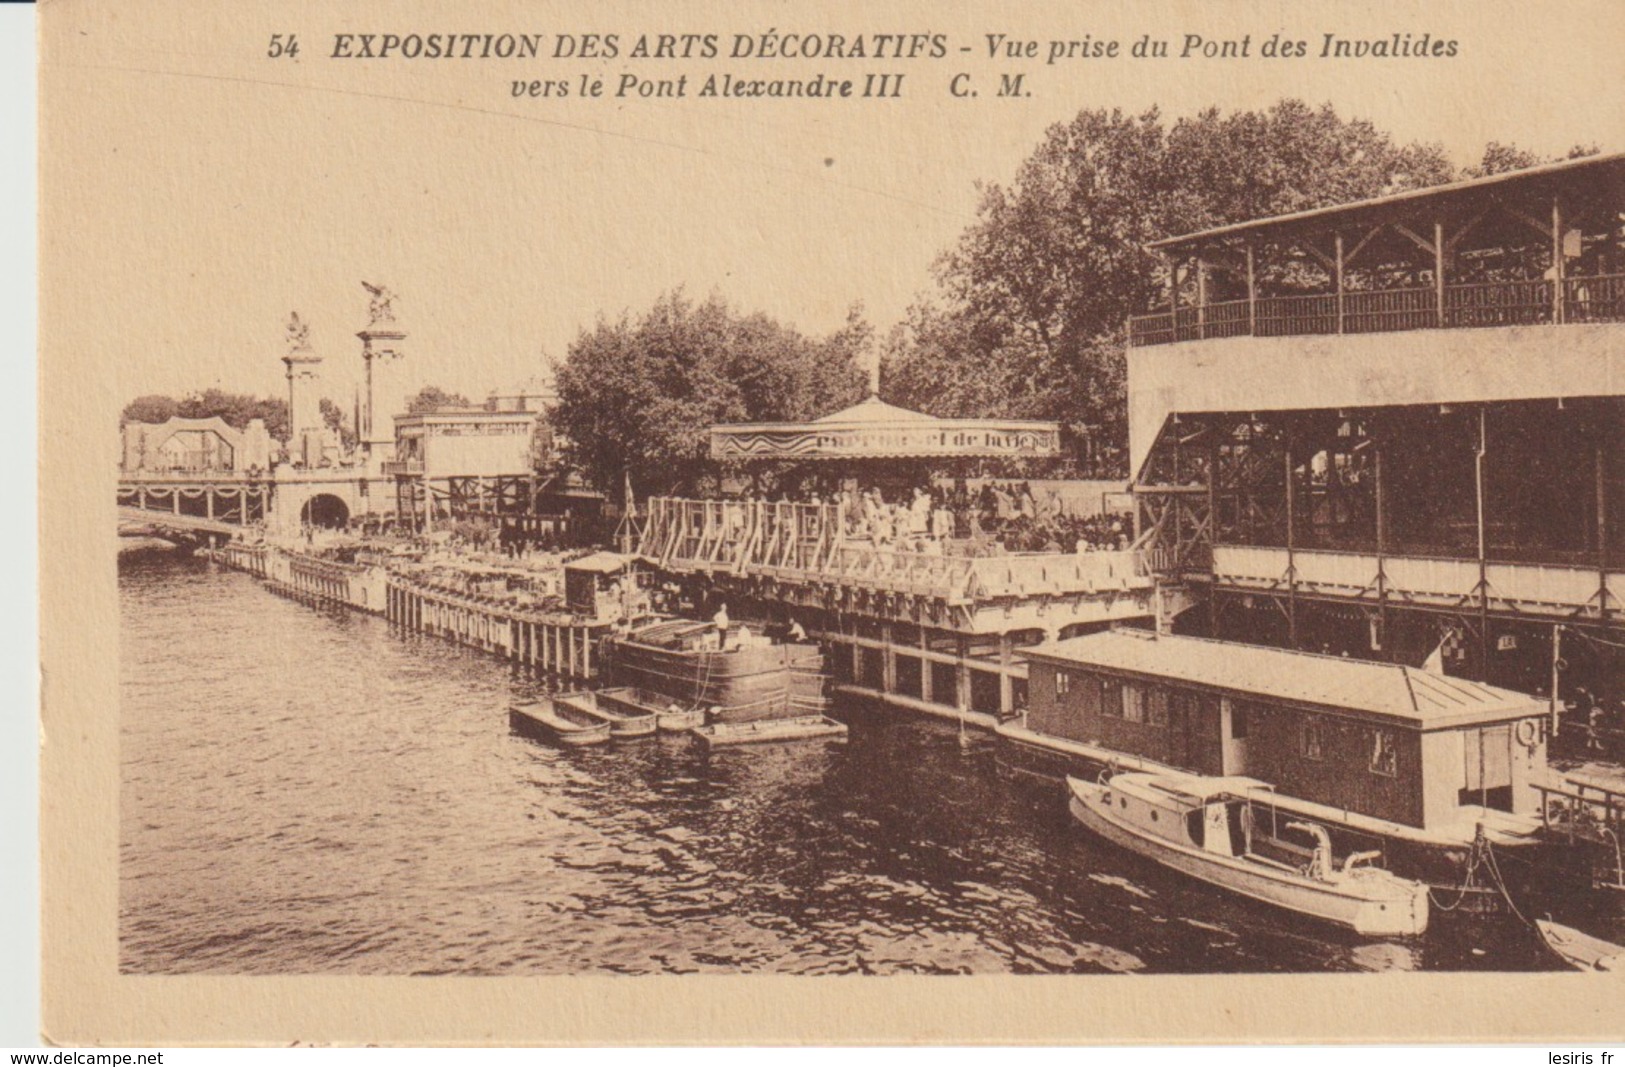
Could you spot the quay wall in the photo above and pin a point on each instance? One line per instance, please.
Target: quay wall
(503, 626)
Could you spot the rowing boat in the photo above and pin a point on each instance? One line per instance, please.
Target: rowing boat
(624, 723)
(1581, 951)
(760, 731)
(561, 723)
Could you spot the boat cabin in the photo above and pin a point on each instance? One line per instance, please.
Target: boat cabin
(1376, 739)
(603, 585)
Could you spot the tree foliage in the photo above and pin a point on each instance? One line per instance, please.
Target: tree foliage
(335, 418)
(637, 395)
(237, 410)
(1499, 158)
(432, 398)
(1032, 300)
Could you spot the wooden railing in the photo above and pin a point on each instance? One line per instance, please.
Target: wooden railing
(1290, 316)
(1498, 304)
(1379, 311)
(1596, 298)
(805, 542)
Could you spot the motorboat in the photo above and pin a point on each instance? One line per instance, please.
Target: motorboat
(1203, 827)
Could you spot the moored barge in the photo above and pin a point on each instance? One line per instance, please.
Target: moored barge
(1426, 768)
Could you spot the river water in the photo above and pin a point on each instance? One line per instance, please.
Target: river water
(309, 791)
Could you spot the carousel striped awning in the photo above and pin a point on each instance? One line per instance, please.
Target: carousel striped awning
(874, 429)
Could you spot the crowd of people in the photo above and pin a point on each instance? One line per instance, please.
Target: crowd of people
(996, 517)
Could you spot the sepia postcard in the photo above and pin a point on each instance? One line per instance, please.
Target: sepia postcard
(808, 523)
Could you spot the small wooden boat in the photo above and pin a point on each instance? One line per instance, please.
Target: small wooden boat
(681, 721)
(561, 723)
(670, 717)
(1581, 951)
(761, 731)
(623, 723)
(1203, 827)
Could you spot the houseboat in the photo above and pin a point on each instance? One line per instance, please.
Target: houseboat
(1388, 757)
(1208, 828)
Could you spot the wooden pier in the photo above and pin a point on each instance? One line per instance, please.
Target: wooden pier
(431, 601)
(555, 642)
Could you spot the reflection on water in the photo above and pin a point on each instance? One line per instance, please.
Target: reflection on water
(310, 792)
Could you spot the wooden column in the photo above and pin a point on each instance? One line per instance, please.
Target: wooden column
(1559, 267)
(1438, 273)
(1381, 519)
(1213, 514)
(1252, 293)
(925, 668)
(1337, 241)
(1291, 545)
(1201, 297)
(1483, 549)
(962, 675)
(1007, 700)
(1600, 462)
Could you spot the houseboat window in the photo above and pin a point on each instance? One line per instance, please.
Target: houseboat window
(1063, 682)
(1111, 697)
(1133, 703)
(1313, 739)
(1384, 754)
(1156, 707)
(1238, 721)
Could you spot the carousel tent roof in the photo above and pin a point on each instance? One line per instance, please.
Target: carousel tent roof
(871, 410)
(874, 429)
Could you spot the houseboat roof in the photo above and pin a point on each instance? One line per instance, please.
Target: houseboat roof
(1423, 699)
(1537, 178)
(599, 563)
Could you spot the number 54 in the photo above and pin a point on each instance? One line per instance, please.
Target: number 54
(280, 47)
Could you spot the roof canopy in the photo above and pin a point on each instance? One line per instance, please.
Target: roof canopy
(1582, 179)
(1424, 699)
(874, 429)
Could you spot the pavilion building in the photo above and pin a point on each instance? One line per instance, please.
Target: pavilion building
(937, 632)
(1395, 429)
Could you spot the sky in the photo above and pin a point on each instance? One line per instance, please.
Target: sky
(205, 190)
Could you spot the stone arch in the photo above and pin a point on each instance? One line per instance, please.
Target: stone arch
(326, 510)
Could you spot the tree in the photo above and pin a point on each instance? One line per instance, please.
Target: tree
(1499, 158)
(237, 410)
(637, 396)
(433, 398)
(334, 418)
(154, 407)
(1032, 299)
